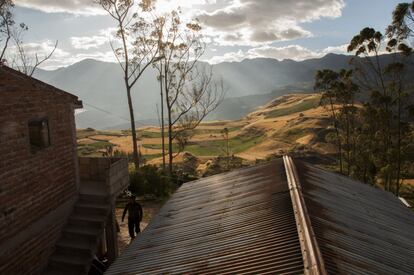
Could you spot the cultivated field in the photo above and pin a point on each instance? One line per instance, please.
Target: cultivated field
(290, 122)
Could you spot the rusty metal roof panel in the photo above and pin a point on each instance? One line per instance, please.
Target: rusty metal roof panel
(241, 222)
(359, 229)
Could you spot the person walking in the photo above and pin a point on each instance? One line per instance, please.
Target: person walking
(134, 210)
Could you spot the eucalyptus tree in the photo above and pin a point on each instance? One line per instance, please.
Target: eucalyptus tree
(400, 34)
(135, 47)
(402, 25)
(387, 84)
(346, 92)
(326, 82)
(372, 76)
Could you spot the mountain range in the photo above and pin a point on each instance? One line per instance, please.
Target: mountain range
(249, 84)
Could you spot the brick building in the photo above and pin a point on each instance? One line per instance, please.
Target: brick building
(43, 195)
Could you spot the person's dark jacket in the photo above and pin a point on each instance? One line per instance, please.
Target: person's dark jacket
(134, 211)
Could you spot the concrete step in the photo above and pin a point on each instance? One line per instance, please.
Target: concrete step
(69, 246)
(93, 198)
(92, 208)
(89, 220)
(82, 233)
(59, 271)
(75, 249)
(76, 264)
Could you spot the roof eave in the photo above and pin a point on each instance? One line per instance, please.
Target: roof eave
(78, 104)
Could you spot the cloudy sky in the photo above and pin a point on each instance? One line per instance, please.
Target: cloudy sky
(234, 29)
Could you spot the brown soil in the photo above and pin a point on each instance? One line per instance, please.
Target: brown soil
(150, 209)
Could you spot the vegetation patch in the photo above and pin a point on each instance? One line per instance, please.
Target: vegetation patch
(110, 133)
(85, 133)
(296, 133)
(149, 134)
(93, 148)
(302, 106)
(237, 144)
(215, 131)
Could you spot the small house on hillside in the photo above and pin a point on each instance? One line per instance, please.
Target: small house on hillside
(55, 208)
(283, 217)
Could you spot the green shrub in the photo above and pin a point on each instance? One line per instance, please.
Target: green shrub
(149, 179)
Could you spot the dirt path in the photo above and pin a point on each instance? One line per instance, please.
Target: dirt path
(150, 209)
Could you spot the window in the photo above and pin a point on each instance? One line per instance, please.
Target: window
(39, 134)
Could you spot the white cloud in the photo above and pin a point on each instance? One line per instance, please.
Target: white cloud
(103, 37)
(342, 49)
(88, 42)
(88, 7)
(60, 57)
(250, 22)
(85, 7)
(229, 57)
(294, 52)
(41, 49)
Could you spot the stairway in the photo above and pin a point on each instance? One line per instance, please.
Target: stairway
(80, 236)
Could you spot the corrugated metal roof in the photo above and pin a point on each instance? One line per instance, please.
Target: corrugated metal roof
(241, 222)
(359, 229)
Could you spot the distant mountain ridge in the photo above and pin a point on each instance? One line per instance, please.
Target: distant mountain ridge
(250, 83)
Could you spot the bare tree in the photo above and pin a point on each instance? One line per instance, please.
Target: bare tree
(6, 25)
(189, 90)
(190, 105)
(19, 58)
(136, 48)
(22, 60)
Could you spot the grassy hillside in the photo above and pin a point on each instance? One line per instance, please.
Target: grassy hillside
(291, 123)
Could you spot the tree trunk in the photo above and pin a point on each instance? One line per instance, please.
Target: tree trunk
(348, 150)
(169, 110)
(170, 144)
(397, 190)
(337, 135)
(133, 130)
(128, 90)
(162, 119)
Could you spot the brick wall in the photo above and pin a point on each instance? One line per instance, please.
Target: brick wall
(32, 255)
(33, 184)
(113, 173)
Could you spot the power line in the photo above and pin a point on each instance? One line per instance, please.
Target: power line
(110, 113)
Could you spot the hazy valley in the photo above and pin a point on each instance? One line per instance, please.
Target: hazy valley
(249, 84)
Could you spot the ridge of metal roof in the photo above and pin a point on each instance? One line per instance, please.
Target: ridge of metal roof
(312, 257)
